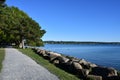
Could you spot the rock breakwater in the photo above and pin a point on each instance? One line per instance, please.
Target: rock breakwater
(79, 67)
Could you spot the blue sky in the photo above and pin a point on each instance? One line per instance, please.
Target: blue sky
(75, 20)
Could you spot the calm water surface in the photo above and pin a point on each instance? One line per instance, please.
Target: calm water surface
(104, 55)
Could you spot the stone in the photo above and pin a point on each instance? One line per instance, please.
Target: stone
(83, 61)
(55, 61)
(43, 53)
(38, 50)
(113, 78)
(84, 69)
(112, 72)
(60, 59)
(104, 71)
(87, 65)
(75, 60)
(82, 73)
(93, 77)
(77, 65)
(53, 55)
(63, 59)
(92, 65)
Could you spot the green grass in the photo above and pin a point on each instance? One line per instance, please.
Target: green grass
(2, 54)
(52, 68)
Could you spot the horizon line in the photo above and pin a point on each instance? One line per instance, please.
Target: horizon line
(83, 41)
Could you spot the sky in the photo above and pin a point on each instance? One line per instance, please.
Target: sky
(74, 20)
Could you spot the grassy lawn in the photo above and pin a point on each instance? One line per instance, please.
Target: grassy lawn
(53, 69)
(2, 54)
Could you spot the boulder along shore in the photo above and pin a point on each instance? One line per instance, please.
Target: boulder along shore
(79, 67)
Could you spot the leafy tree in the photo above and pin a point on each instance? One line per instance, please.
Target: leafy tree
(2, 3)
(16, 26)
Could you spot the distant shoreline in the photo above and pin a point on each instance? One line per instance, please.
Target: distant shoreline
(82, 42)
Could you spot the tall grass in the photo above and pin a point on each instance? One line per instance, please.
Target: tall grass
(2, 54)
(45, 63)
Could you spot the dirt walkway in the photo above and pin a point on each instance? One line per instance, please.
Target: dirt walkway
(18, 66)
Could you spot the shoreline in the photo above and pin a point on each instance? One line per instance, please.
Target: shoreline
(104, 55)
(80, 67)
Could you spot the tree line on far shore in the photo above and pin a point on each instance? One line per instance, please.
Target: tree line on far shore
(16, 27)
(80, 42)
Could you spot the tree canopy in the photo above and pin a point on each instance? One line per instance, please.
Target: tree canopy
(16, 26)
(2, 3)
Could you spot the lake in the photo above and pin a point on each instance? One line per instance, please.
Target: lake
(104, 55)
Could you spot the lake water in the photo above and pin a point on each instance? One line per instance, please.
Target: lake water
(104, 55)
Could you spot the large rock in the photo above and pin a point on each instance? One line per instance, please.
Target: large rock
(80, 67)
(76, 65)
(63, 59)
(53, 55)
(92, 65)
(77, 69)
(74, 59)
(55, 61)
(104, 71)
(112, 78)
(38, 50)
(87, 65)
(83, 61)
(94, 77)
(43, 53)
(82, 73)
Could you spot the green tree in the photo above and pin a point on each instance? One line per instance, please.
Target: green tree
(16, 26)
(2, 3)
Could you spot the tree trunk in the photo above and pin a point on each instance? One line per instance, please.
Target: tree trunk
(21, 44)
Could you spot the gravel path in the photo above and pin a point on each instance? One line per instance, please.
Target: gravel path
(18, 66)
